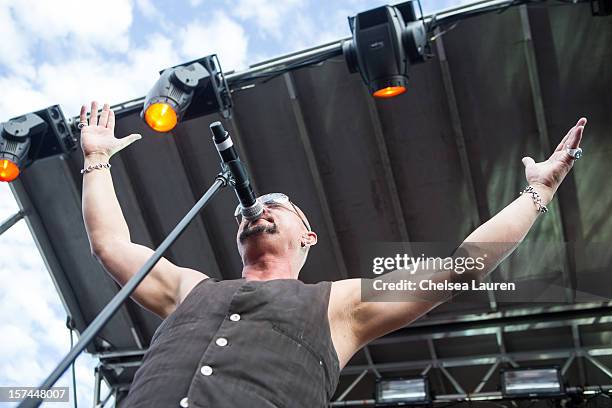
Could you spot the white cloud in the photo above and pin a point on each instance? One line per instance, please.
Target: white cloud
(79, 79)
(20, 97)
(270, 16)
(219, 35)
(71, 34)
(306, 33)
(84, 25)
(148, 9)
(14, 45)
(15, 341)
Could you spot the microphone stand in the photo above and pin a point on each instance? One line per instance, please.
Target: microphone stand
(223, 179)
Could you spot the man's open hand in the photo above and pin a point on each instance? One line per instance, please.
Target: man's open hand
(549, 174)
(97, 136)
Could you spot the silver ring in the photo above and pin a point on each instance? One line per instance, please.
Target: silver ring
(81, 125)
(574, 153)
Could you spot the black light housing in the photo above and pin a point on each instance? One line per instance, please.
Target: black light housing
(403, 391)
(186, 91)
(539, 382)
(34, 136)
(386, 41)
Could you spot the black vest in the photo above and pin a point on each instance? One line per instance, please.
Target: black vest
(238, 343)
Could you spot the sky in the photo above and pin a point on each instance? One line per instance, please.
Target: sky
(69, 52)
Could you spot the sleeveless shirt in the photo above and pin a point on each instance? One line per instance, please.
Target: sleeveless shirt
(238, 343)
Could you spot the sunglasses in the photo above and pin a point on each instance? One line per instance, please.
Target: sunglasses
(273, 200)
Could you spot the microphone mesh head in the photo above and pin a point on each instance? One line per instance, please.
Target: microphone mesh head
(253, 212)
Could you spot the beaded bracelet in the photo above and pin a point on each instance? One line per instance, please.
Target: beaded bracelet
(536, 198)
(92, 167)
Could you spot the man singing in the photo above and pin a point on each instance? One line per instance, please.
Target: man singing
(267, 339)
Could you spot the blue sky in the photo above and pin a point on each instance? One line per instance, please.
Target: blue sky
(70, 52)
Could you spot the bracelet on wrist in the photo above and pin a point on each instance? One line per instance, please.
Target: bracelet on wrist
(537, 199)
(93, 167)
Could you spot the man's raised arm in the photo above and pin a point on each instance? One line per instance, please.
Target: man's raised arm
(371, 316)
(109, 237)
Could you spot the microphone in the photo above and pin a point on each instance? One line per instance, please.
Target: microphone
(251, 208)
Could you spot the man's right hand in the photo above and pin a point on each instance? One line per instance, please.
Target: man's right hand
(98, 137)
(167, 284)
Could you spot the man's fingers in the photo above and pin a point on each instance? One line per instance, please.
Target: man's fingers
(93, 115)
(83, 115)
(574, 141)
(104, 115)
(111, 120)
(528, 161)
(565, 140)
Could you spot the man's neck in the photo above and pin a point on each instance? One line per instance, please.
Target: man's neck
(269, 269)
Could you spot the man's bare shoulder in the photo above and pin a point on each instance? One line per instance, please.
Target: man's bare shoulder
(345, 291)
(188, 279)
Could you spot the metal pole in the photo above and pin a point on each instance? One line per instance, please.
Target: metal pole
(97, 384)
(109, 310)
(353, 384)
(105, 400)
(9, 222)
(599, 365)
(335, 48)
(488, 375)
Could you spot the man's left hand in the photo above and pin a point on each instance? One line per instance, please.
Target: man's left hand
(546, 176)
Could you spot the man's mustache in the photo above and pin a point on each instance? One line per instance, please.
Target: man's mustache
(251, 230)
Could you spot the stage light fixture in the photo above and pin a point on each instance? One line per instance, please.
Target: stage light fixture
(386, 41)
(32, 137)
(403, 391)
(532, 382)
(186, 91)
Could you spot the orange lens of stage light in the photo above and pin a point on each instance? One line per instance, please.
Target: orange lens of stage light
(161, 117)
(8, 170)
(390, 92)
